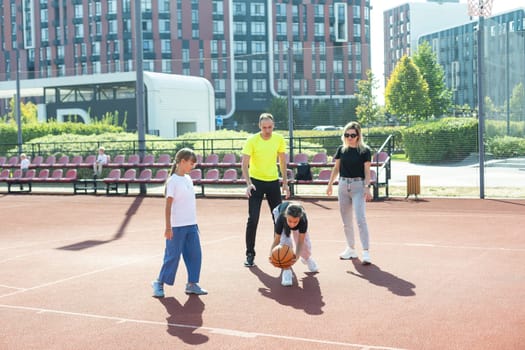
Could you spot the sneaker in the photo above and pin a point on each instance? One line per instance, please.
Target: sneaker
(194, 288)
(287, 278)
(312, 266)
(366, 258)
(348, 254)
(249, 260)
(158, 289)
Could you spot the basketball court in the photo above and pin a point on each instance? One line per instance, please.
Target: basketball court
(75, 273)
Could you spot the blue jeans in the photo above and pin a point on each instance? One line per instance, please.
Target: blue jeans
(351, 194)
(185, 241)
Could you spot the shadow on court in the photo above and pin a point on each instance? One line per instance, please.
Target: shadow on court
(307, 298)
(132, 210)
(184, 320)
(373, 274)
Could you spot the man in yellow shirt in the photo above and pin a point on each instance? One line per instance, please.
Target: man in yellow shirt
(262, 178)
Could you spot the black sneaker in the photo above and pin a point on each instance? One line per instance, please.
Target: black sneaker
(249, 260)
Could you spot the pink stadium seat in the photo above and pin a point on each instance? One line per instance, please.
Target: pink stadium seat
(300, 158)
(164, 160)
(320, 158)
(229, 176)
(212, 176)
(212, 159)
(229, 158)
(148, 160)
(37, 161)
(144, 176)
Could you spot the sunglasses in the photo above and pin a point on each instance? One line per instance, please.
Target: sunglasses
(353, 136)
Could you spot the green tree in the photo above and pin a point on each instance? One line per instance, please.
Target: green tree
(367, 108)
(28, 112)
(320, 113)
(279, 109)
(517, 103)
(347, 112)
(406, 93)
(433, 73)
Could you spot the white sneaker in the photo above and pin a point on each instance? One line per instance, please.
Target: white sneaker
(287, 278)
(366, 258)
(312, 266)
(348, 254)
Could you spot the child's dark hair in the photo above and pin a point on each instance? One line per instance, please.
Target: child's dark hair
(295, 210)
(183, 153)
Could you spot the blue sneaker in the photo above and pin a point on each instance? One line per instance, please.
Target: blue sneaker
(158, 289)
(194, 288)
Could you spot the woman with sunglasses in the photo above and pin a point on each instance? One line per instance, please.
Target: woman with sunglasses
(352, 166)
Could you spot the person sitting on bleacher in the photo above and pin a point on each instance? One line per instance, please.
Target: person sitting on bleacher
(102, 159)
(24, 166)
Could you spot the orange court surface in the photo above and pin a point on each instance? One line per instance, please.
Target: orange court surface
(75, 273)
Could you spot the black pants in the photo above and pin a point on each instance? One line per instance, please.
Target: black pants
(272, 190)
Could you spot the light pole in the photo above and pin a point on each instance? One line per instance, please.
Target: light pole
(17, 102)
(480, 8)
(507, 66)
(140, 84)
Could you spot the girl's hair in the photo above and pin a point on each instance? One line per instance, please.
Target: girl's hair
(294, 209)
(183, 153)
(361, 146)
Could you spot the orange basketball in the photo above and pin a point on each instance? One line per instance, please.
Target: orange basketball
(282, 256)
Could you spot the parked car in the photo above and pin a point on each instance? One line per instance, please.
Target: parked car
(327, 127)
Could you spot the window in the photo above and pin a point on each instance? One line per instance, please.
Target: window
(340, 25)
(217, 8)
(239, 9)
(239, 28)
(259, 66)
(241, 66)
(259, 85)
(280, 28)
(258, 46)
(338, 66)
(166, 66)
(218, 27)
(164, 26)
(79, 13)
(112, 27)
(219, 85)
(241, 85)
(257, 9)
(318, 29)
(258, 28)
(320, 85)
(214, 46)
(240, 47)
(165, 46)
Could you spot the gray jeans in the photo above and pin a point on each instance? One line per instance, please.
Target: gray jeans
(351, 194)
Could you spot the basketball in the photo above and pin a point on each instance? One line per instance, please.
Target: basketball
(282, 256)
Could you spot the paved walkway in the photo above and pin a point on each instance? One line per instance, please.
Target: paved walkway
(458, 175)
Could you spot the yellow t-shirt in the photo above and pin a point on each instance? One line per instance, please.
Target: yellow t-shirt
(263, 156)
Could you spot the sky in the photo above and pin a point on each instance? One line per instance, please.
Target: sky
(376, 14)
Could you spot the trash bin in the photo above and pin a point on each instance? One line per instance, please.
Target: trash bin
(413, 185)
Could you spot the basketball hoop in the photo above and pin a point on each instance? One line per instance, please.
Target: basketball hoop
(479, 8)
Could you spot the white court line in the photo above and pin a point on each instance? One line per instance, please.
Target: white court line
(11, 287)
(432, 245)
(102, 270)
(213, 330)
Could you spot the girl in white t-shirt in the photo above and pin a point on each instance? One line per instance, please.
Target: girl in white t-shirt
(181, 231)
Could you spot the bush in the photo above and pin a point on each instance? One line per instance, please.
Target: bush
(506, 146)
(9, 132)
(447, 139)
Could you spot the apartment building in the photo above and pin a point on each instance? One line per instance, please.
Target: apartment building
(240, 46)
(404, 24)
(503, 58)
